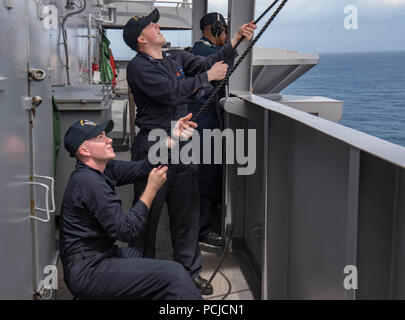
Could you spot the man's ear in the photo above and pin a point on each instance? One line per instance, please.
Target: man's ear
(141, 40)
(83, 151)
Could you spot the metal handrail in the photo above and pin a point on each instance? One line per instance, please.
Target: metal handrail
(48, 217)
(380, 148)
(52, 190)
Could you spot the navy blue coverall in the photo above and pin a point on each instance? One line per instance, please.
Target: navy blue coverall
(92, 219)
(209, 175)
(162, 90)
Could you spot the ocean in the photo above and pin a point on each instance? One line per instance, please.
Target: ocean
(371, 85)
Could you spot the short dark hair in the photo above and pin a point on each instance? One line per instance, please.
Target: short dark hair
(136, 48)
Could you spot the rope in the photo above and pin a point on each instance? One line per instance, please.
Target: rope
(213, 96)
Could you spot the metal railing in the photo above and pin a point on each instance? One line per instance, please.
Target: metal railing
(324, 197)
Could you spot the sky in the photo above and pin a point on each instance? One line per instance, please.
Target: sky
(318, 25)
(314, 26)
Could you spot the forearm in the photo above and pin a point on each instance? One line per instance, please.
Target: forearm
(209, 76)
(148, 196)
(235, 40)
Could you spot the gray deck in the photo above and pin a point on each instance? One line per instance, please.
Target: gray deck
(236, 268)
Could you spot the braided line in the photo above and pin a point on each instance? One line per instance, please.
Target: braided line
(214, 94)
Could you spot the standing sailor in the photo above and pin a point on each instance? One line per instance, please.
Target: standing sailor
(214, 30)
(163, 83)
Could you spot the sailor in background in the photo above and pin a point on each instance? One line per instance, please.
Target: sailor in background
(163, 84)
(214, 30)
(92, 219)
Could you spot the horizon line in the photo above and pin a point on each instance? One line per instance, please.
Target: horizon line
(367, 51)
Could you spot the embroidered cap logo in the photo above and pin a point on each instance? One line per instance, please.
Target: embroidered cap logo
(87, 123)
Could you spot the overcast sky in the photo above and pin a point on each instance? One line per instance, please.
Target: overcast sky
(318, 25)
(315, 26)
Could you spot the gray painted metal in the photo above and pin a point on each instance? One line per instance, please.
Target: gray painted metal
(326, 108)
(377, 230)
(239, 12)
(380, 148)
(335, 197)
(199, 9)
(178, 16)
(44, 241)
(275, 69)
(398, 260)
(16, 260)
(26, 149)
(235, 188)
(352, 212)
(265, 191)
(254, 204)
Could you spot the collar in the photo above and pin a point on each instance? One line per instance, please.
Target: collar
(146, 56)
(165, 54)
(80, 165)
(207, 42)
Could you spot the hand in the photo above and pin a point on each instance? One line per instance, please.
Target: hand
(246, 31)
(218, 71)
(157, 178)
(183, 129)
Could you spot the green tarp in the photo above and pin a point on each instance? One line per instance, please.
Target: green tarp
(106, 71)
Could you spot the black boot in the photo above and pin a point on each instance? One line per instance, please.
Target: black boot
(212, 239)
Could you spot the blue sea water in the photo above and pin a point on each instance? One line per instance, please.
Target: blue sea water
(371, 85)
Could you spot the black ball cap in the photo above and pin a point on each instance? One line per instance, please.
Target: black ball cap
(135, 25)
(209, 18)
(84, 130)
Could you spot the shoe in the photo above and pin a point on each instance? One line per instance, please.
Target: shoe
(212, 239)
(201, 285)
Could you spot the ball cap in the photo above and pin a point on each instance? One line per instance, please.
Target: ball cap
(135, 25)
(84, 130)
(209, 18)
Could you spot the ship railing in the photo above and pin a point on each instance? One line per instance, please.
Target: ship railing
(323, 213)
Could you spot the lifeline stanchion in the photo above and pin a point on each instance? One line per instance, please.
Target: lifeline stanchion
(213, 96)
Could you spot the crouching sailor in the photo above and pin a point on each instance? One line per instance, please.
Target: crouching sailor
(92, 219)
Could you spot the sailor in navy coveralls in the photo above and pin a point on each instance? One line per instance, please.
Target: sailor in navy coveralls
(214, 29)
(92, 219)
(163, 84)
